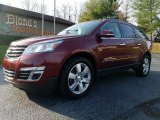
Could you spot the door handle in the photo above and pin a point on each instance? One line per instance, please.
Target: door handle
(139, 44)
(123, 44)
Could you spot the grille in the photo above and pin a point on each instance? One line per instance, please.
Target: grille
(15, 52)
(8, 74)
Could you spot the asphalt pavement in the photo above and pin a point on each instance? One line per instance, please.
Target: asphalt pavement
(118, 96)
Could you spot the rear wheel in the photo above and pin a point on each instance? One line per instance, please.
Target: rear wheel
(76, 78)
(144, 68)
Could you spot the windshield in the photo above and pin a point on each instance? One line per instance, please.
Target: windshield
(80, 29)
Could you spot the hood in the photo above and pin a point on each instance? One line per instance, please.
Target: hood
(29, 41)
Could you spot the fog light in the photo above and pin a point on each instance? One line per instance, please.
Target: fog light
(31, 73)
(36, 76)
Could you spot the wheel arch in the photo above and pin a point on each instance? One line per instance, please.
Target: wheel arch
(85, 55)
(149, 54)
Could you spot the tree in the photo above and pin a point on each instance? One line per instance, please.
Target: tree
(115, 7)
(146, 13)
(64, 11)
(43, 8)
(58, 13)
(26, 4)
(34, 6)
(69, 12)
(75, 11)
(96, 9)
(126, 9)
(117, 13)
(81, 9)
(122, 9)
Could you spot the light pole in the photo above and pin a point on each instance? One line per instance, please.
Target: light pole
(54, 17)
(42, 17)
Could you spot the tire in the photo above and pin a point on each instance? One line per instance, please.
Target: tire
(76, 78)
(144, 68)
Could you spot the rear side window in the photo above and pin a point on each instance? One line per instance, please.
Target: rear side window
(112, 27)
(140, 34)
(127, 31)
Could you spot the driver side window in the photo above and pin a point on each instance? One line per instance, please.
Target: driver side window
(113, 27)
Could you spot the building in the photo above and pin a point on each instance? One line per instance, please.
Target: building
(17, 23)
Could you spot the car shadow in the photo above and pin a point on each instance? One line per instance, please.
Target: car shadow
(110, 95)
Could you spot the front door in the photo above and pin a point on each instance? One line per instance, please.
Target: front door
(113, 51)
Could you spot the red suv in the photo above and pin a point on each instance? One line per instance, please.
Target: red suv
(72, 60)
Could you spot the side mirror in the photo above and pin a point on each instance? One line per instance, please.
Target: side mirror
(105, 33)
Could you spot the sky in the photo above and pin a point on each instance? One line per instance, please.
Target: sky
(48, 3)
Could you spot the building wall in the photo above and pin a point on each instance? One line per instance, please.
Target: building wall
(21, 25)
(17, 23)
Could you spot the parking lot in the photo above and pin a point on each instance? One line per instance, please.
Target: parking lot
(117, 96)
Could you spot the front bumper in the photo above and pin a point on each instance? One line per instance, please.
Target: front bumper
(48, 87)
(49, 79)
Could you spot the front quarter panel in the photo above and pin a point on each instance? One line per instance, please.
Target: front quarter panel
(79, 45)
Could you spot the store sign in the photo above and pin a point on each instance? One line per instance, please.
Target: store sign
(20, 21)
(18, 25)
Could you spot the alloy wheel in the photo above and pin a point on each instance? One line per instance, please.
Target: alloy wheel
(146, 65)
(79, 78)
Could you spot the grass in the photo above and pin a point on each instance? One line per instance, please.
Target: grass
(156, 48)
(7, 39)
(3, 49)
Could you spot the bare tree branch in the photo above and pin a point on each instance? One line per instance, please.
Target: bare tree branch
(34, 6)
(75, 12)
(70, 12)
(64, 11)
(26, 4)
(43, 9)
(58, 13)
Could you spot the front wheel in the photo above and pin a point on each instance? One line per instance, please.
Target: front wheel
(76, 78)
(144, 68)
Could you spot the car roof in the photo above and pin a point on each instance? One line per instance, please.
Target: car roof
(119, 21)
(111, 19)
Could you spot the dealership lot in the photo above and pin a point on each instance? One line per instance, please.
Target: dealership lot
(117, 96)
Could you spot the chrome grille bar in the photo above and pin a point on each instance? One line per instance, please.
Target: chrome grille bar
(15, 51)
(8, 74)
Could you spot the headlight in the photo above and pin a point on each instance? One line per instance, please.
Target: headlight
(42, 47)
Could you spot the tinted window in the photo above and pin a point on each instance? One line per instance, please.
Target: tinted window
(127, 31)
(80, 29)
(139, 34)
(112, 27)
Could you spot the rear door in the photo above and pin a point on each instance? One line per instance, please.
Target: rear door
(141, 37)
(131, 44)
